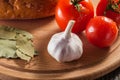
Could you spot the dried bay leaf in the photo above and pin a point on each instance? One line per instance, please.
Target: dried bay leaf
(7, 48)
(6, 33)
(23, 56)
(16, 43)
(24, 33)
(10, 32)
(24, 45)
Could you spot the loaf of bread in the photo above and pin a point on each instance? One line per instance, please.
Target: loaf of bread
(26, 9)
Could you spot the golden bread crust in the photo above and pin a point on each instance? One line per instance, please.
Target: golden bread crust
(26, 9)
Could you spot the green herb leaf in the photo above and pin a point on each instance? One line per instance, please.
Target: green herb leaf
(24, 45)
(23, 56)
(24, 33)
(6, 33)
(7, 48)
(16, 43)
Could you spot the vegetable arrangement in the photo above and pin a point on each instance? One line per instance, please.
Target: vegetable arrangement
(100, 31)
(73, 16)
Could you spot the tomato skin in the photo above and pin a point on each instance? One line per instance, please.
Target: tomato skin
(113, 15)
(101, 7)
(66, 11)
(101, 11)
(101, 31)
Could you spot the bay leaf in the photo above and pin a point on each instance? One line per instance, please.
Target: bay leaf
(24, 33)
(25, 45)
(7, 48)
(6, 34)
(16, 43)
(23, 56)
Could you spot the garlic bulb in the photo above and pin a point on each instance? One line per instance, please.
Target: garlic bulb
(65, 46)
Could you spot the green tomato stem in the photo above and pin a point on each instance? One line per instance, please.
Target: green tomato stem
(76, 4)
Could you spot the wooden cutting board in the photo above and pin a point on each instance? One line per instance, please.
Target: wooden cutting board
(94, 63)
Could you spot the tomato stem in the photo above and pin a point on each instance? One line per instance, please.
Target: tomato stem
(68, 29)
(113, 5)
(76, 4)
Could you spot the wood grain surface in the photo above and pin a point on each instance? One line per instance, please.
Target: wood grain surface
(94, 63)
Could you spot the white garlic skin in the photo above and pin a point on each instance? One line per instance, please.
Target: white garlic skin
(65, 50)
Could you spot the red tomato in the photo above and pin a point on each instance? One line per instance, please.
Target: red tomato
(109, 8)
(79, 10)
(101, 31)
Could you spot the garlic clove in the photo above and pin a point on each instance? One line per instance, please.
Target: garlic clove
(65, 46)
